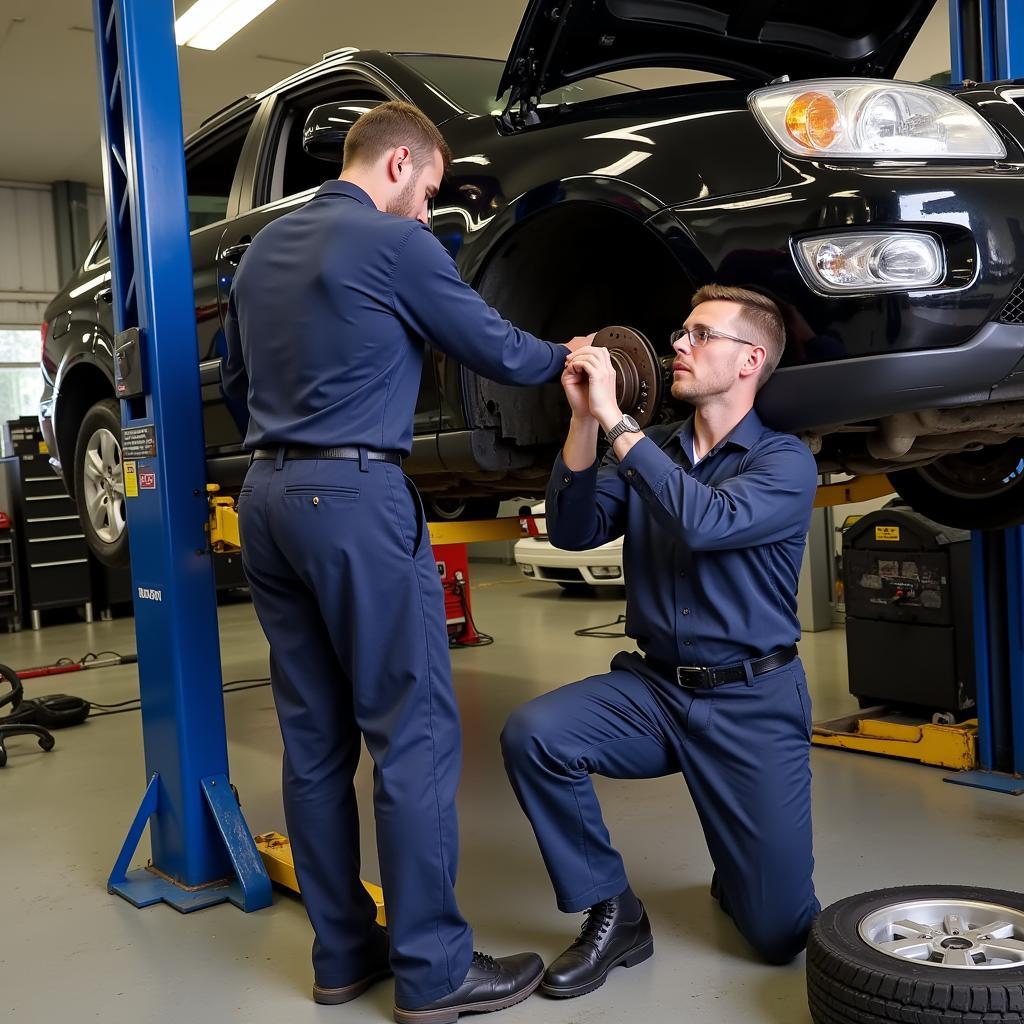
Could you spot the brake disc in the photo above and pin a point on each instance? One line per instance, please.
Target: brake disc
(638, 372)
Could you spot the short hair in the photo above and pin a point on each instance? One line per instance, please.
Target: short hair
(760, 317)
(390, 125)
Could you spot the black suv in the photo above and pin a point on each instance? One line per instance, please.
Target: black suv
(884, 217)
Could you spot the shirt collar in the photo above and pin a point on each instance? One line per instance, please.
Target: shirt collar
(344, 188)
(743, 435)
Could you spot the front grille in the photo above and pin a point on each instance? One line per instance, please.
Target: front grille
(560, 575)
(1013, 311)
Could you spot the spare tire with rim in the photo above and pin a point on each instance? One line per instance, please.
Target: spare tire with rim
(920, 954)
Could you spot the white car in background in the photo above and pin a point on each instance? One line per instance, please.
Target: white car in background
(540, 560)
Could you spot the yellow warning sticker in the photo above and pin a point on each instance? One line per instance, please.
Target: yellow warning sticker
(131, 480)
(891, 533)
(44, 448)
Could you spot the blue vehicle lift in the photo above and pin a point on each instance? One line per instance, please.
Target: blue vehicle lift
(987, 44)
(202, 851)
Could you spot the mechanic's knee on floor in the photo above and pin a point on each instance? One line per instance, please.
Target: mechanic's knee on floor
(776, 937)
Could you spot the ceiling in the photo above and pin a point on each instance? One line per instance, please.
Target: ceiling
(49, 120)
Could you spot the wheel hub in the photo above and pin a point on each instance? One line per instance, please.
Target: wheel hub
(961, 934)
(638, 377)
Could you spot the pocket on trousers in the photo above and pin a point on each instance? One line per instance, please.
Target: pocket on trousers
(420, 514)
(326, 491)
(804, 699)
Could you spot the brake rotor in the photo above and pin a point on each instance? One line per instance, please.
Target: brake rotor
(638, 373)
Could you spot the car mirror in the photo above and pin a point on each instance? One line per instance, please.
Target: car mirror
(323, 136)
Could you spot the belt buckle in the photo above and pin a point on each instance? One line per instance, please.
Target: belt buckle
(706, 676)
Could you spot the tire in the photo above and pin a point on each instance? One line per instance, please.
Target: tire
(981, 490)
(454, 510)
(99, 483)
(851, 981)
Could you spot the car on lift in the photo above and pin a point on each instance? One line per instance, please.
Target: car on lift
(885, 217)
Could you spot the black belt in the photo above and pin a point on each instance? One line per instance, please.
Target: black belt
(705, 677)
(303, 452)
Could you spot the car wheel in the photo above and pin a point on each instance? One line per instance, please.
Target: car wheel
(99, 483)
(981, 490)
(941, 954)
(453, 510)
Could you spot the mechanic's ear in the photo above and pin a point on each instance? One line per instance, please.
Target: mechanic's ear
(756, 356)
(399, 162)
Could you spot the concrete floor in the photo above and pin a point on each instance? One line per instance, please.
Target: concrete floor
(68, 950)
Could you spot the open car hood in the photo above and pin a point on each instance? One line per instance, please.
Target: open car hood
(563, 41)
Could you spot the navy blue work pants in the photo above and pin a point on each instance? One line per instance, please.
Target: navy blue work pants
(346, 589)
(743, 751)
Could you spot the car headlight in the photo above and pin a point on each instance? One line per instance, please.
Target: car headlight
(871, 261)
(852, 117)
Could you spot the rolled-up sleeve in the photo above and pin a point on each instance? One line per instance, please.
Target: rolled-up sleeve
(432, 300)
(765, 503)
(585, 509)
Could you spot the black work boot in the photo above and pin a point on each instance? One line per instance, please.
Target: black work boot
(378, 968)
(615, 932)
(490, 985)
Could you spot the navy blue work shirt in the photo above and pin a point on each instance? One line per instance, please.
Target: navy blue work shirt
(712, 552)
(328, 315)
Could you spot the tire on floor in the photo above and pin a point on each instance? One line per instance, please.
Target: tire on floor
(920, 954)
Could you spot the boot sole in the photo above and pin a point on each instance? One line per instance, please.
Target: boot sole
(450, 1014)
(632, 957)
(335, 996)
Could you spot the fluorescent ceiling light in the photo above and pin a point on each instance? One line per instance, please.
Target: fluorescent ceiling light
(208, 23)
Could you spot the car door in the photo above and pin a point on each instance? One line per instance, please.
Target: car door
(286, 177)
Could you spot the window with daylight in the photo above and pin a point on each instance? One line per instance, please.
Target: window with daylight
(21, 382)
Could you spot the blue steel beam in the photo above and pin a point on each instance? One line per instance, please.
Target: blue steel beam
(986, 39)
(196, 841)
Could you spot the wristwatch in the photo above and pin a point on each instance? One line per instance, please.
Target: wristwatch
(627, 425)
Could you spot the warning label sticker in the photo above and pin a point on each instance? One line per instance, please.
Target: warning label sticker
(889, 533)
(139, 442)
(131, 480)
(147, 479)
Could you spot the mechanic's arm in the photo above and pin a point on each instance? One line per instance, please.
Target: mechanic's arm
(586, 506)
(234, 381)
(773, 495)
(431, 298)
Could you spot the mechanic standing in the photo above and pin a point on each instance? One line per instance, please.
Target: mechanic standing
(714, 512)
(327, 318)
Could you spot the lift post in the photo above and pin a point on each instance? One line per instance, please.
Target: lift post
(202, 851)
(987, 44)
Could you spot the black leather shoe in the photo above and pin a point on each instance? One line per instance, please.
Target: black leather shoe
(606, 941)
(490, 985)
(379, 969)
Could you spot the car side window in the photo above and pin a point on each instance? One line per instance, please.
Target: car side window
(210, 167)
(99, 251)
(293, 169)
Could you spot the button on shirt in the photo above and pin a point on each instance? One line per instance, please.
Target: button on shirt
(712, 552)
(328, 315)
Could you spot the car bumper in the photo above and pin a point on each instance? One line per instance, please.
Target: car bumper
(540, 560)
(988, 367)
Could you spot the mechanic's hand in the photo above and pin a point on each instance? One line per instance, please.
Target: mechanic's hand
(580, 341)
(596, 363)
(577, 390)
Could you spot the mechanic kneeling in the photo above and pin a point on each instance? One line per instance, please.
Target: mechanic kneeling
(714, 512)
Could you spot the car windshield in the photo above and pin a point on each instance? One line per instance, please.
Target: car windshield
(472, 82)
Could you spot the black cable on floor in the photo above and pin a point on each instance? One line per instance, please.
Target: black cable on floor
(594, 631)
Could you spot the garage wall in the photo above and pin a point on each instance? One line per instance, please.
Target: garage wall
(28, 253)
